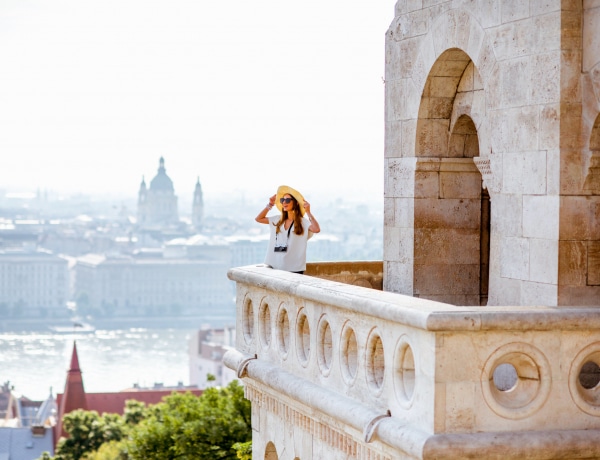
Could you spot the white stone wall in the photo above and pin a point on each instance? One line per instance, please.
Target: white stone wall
(516, 72)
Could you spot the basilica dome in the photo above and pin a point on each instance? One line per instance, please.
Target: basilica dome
(161, 181)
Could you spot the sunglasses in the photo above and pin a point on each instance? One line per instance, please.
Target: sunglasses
(285, 200)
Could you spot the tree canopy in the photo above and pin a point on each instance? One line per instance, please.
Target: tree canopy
(182, 427)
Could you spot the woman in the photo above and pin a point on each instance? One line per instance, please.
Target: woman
(290, 231)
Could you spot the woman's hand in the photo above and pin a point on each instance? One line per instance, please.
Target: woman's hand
(314, 225)
(307, 207)
(262, 216)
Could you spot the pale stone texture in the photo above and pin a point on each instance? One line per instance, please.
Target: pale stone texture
(548, 137)
(525, 173)
(525, 60)
(540, 216)
(527, 132)
(393, 139)
(404, 212)
(397, 240)
(400, 175)
(543, 264)
(514, 255)
(507, 215)
(394, 271)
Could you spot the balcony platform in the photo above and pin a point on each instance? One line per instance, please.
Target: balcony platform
(357, 372)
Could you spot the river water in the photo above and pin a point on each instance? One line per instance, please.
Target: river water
(36, 363)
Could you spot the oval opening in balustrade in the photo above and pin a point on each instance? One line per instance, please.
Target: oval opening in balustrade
(265, 324)
(375, 363)
(584, 379)
(303, 338)
(349, 354)
(516, 380)
(283, 331)
(324, 346)
(405, 372)
(248, 321)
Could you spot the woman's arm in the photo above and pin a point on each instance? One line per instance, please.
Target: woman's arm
(262, 216)
(314, 225)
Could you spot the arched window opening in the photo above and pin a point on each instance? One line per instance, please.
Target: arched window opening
(451, 209)
(271, 452)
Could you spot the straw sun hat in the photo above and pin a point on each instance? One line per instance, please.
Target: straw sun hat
(285, 190)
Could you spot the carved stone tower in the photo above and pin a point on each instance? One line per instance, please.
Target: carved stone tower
(492, 154)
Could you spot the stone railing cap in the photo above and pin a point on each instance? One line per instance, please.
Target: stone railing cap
(421, 313)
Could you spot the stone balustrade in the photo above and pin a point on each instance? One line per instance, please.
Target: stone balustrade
(392, 373)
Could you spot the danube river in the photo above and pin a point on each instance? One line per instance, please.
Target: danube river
(110, 359)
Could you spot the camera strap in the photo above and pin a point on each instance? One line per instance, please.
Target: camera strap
(288, 235)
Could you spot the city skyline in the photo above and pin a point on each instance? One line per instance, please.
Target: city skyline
(243, 96)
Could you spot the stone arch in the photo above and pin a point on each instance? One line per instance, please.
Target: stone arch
(451, 209)
(470, 98)
(463, 139)
(437, 102)
(271, 452)
(458, 31)
(455, 29)
(592, 180)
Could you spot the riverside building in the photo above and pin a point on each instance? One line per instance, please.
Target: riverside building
(147, 283)
(32, 284)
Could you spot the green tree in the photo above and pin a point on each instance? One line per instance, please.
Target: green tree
(95, 437)
(87, 431)
(215, 425)
(187, 427)
(135, 412)
(112, 450)
(244, 450)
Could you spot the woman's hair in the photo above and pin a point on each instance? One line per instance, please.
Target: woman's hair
(298, 229)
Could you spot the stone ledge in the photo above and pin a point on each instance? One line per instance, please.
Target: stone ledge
(420, 313)
(532, 445)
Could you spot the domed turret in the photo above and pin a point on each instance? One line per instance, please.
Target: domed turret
(157, 204)
(161, 181)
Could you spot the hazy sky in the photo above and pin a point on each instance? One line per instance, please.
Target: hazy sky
(245, 94)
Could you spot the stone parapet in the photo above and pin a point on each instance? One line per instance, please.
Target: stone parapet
(358, 273)
(402, 377)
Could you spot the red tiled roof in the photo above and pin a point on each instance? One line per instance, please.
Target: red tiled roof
(114, 403)
(74, 391)
(75, 396)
